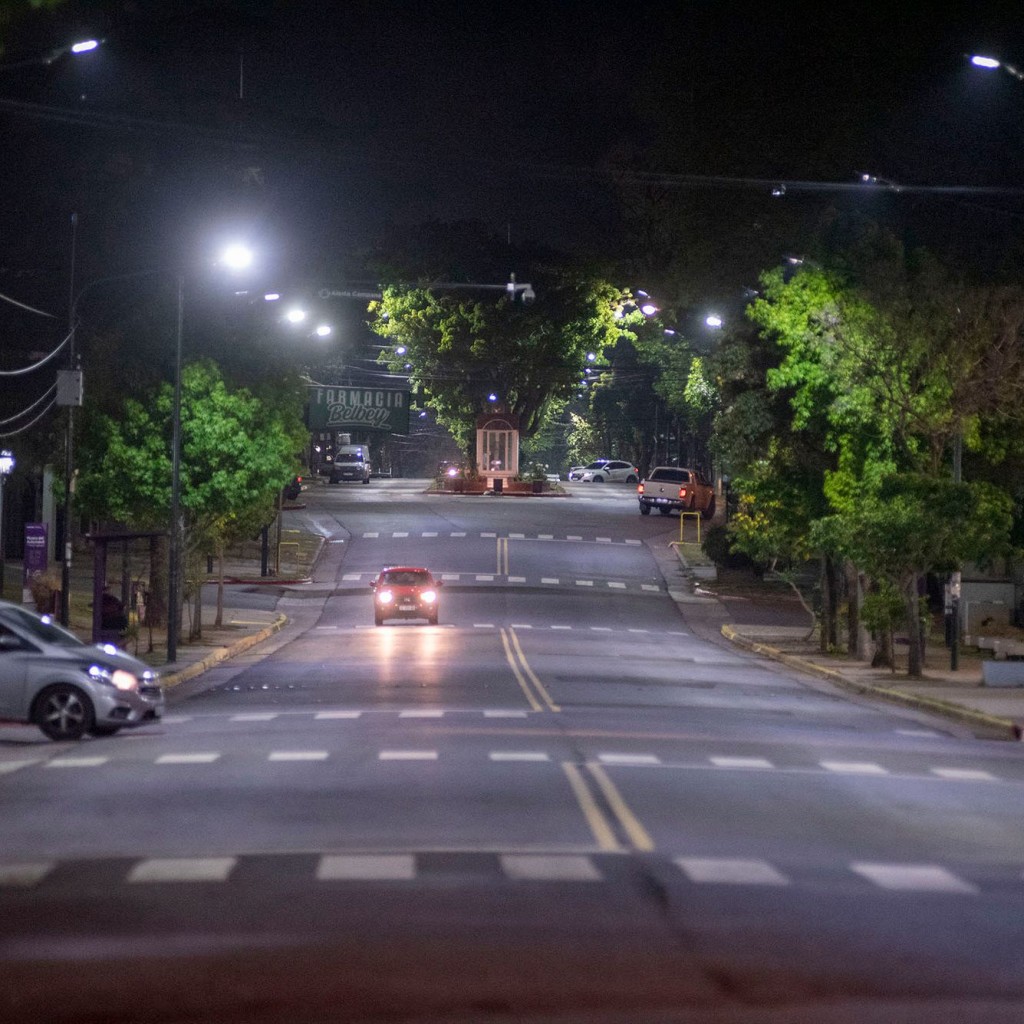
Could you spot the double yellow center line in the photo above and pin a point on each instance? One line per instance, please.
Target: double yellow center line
(536, 693)
(615, 812)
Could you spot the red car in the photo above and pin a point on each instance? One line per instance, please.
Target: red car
(405, 592)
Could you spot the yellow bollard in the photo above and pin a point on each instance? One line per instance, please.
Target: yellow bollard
(682, 520)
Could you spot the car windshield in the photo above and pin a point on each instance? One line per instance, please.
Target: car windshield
(407, 578)
(600, 464)
(41, 627)
(348, 457)
(680, 476)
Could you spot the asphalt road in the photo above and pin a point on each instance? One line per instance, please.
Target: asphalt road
(565, 802)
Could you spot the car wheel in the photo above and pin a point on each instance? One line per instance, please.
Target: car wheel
(645, 510)
(104, 730)
(598, 479)
(665, 511)
(631, 479)
(378, 620)
(63, 712)
(709, 512)
(366, 481)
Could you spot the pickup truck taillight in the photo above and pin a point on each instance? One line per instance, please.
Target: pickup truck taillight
(640, 489)
(682, 492)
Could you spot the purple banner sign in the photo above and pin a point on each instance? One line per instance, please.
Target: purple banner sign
(36, 549)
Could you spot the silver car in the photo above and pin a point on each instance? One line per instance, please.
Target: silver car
(68, 688)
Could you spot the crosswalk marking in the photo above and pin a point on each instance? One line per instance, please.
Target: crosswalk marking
(639, 631)
(25, 875)
(573, 536)
(601, 629)
(196, 758)
(913, 877)
(556, 868)
(964, 774)
(429, 534)
(366, 867)
(498, 713)
(261, 716)
(517, 536)
(561, 627)
(371, 536)
(488, 535)
(649, 586)
(545, 536)
(629, 759)
(853, 767)
(77, 762)
(548, 579)
(450, 576)
(350, 576)
(519, 755)
(604, 540)
(483, 577)
(400, 533)
(517, 579)
(730, 871)
(631, 541)
(741, 762)
(183, 869)
(584, 583)
(458, 533)
(407, 755)
(326, 715)
(298, 755)
(483, 625)
(617, 586)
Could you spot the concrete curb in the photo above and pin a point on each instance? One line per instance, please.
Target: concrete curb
(216, 656)
(957, 712)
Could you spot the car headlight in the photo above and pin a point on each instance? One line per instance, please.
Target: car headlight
(118, 677)
(385, 596)
(428, 596)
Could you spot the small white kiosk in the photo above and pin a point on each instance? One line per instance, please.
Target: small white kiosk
(497, 446)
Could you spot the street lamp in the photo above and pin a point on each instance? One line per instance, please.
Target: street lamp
(991, 63)
(6, 468)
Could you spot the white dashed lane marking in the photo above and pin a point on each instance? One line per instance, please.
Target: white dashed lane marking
(519, 755)
(366, 867)
(6, 767)
(853, 767)
(197, 758)
(77, 762)
(913, 877)
(964, 774)
(337, 714)
(24, 876)
(263, 716)
(407, 755)
(629, 759)
(730, 871)
(298, 755)
(741, 762)
(540, 868)
(426, 713)
(183, 869)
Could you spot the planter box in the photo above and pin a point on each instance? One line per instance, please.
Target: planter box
(1002, 673)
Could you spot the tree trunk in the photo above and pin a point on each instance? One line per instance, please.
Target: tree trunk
(156, 592)
(832, 582)
(854, 646)
(219, 618)
(915, 659)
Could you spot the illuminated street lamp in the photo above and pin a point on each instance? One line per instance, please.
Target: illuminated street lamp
(6, 468)
(991, 63)
(295, 315)
(713, 320)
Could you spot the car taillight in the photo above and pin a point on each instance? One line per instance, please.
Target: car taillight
(682, 492)
(640, 489)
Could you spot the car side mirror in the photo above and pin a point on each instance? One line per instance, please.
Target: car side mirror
(438, 583)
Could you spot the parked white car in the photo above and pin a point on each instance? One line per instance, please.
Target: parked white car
(603, 470)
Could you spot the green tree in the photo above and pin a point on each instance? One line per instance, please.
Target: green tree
(459, 349)
(236, 454)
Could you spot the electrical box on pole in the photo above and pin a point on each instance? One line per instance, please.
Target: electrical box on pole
(69, 388)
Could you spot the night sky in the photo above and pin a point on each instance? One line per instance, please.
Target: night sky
(324, 124)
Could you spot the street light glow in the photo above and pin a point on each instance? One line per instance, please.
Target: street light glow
(271, 296)
(85, 46)
(237, 256)
(323, 330)
(648, 309)
(984, 62)
(713, 320)
(295, 316)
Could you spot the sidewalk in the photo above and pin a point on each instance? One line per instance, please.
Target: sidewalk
(779, 628)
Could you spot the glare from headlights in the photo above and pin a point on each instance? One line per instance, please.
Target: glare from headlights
(385, 597)
(428, 596)
(118, 677)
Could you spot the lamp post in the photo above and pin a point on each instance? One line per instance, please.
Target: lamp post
(6, 468)
(235, 257)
